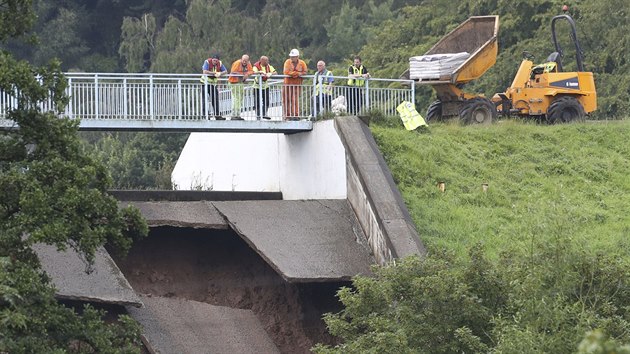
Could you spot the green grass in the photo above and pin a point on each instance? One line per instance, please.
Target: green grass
(547, 184)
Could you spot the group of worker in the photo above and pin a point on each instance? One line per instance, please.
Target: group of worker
(294, 70)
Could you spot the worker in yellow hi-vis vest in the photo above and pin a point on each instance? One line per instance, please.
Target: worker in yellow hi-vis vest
(410, 117)
(357, 74)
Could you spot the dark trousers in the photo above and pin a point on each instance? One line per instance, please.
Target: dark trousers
(322, 102)
(213, 95)
(355, 100)
(265, 102)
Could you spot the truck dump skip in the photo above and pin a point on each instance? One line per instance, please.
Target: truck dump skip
(461, 56)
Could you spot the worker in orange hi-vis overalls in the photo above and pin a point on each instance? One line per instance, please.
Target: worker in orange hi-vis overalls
(241, 69)
(294, 68)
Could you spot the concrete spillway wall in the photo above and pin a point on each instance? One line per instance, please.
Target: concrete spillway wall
(373, 195)
(301, 166)
(337, 160)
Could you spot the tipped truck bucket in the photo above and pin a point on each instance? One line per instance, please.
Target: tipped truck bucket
(476, 36)
(463, 55)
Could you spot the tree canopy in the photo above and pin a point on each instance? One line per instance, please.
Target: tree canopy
(541, 303)
(51, 192)
(164, 36)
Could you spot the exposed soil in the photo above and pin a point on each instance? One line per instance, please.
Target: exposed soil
(219, 268)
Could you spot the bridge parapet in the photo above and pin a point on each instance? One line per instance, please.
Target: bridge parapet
(115, 101)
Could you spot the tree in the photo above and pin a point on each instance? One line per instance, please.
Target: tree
(53, 193)
(137, 160)
(18, 17)
(138, 42)
(344, 32)
(545, 302)
(596, 342)
(418, 305)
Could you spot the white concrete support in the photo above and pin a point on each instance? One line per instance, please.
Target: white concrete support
(301, 166)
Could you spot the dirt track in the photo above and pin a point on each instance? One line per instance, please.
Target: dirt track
(218, 268)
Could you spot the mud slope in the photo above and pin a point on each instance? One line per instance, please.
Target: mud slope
(218, 268)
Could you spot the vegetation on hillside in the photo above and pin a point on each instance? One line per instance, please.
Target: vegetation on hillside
(536, 264)
(176, 36)
(570, 180)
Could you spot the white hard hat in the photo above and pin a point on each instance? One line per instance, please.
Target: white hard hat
(294, 53)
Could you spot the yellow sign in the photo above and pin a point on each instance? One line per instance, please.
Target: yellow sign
(410, 117)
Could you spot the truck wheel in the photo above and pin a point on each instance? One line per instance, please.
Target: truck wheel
(564, 110)
(434, 112)
(478, 110)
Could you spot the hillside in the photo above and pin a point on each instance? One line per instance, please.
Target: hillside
(537, 264)
(568, 182)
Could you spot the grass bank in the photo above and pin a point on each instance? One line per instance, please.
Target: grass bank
(546, 184)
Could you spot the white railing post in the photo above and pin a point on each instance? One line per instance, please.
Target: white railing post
(70, 98)
(205, 105)
(179, 98)
(96, 96)
(314, 98)
(367, 96)
(125, 99)
(151, 112)
(261, 106)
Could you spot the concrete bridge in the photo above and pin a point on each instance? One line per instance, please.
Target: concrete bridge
(175, 102)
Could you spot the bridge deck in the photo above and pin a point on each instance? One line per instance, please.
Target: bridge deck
(235, 126)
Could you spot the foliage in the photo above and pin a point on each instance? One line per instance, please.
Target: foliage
(51, 193)
(176, 36)
(17, 17)
(84, 35)
(50, 190)
(416, 304)
(137, 160)
(344, 31)
(31, 320)
(544, 302)
(539, 261)
(234, 29)
(596, 342)
(137, 42)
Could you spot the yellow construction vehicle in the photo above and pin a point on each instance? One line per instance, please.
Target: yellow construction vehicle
(543, 91)
(546, 91)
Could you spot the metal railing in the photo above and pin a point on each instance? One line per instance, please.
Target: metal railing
(111, 96)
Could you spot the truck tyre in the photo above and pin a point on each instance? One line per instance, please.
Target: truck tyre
(565, 109)
(478, 110)
(434, 112)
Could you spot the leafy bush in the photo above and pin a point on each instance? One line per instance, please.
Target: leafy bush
(537, 263)
(543, 302)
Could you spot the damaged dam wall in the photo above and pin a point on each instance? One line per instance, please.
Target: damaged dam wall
(337, 160)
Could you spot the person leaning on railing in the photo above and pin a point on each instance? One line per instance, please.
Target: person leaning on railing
(262, 71)
(241, 69)
(212, 69)
(357, 73)
(322, 81)
(294, 68)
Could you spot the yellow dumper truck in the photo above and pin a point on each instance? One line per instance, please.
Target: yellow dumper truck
(543, 91)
